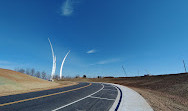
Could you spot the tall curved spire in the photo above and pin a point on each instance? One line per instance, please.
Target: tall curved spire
(63, 64)
(54, 61)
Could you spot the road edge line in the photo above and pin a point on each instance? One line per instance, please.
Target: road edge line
(117, 101)
(117, 107)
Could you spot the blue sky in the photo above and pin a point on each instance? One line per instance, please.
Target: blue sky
(143, 35)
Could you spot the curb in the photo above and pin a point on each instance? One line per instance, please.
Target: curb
(119, 99)
(129, 100)
(117, 102)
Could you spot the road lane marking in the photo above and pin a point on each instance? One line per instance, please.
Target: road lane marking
(108, 86)
(114, 106)
(78, 100)
(109, 90)
(5, 104)
(101, 98)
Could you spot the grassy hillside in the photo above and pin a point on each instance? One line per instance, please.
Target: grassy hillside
(12, 82)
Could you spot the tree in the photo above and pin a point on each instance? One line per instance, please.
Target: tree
(56, 77)
(32, 72)
(43, 75)
(84, 76)
(98, 76)
(38, 74)
(77, 76)
(21, 70)
(27, 71)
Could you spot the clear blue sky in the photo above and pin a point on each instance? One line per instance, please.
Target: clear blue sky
(143, 35)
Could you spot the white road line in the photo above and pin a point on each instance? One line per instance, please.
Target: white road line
(78, 100)
(101, 98)
(109, 89)
(108, 86)
(116, 101)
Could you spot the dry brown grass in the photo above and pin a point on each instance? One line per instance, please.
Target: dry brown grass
(12, 82)
(163, 92)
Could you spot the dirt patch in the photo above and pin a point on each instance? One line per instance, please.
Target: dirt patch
(12, 82)
(162, 101)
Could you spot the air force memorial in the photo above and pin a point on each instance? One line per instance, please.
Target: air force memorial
(54, 63)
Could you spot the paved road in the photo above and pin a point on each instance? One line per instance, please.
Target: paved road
(81, 97)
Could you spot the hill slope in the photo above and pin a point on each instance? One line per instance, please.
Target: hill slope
(12, 82)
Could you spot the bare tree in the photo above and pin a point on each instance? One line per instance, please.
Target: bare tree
(77, 76)
(38, 74)
(56, 77)
(27, 71)
(43, 75)
(68, 77)
(21, 70)
(32, 72)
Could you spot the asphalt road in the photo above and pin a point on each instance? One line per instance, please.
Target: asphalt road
(81, 97)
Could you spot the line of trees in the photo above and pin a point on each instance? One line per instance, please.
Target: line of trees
(43, 75)
(33, 72)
